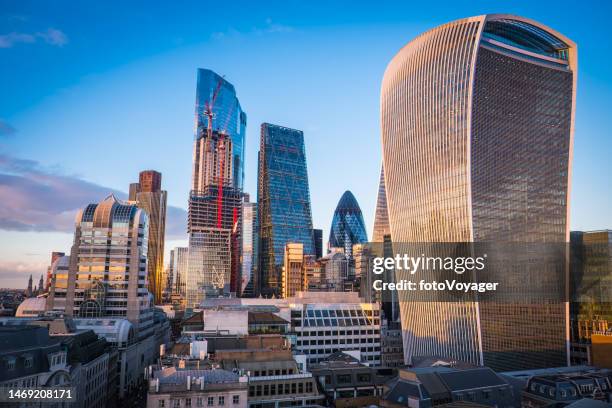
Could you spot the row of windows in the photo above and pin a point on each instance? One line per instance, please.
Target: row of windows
(199, 401)
(362, 340)
(339, 333)
(335, 350)
(280, 389)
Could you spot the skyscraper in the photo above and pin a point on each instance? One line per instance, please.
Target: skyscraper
(381, 217)
(249, 212)
(347, 227)
(591, 296)
(148, 195)
(318, 242)
(54, 256)
(477, 129)
(178, 269)
(215, 200)
(283, 199)
(107, 275)
(293, 269)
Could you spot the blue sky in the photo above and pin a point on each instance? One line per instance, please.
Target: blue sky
(94, 92)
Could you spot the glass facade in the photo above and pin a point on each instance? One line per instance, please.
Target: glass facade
(381, 217)
(249, 211)
(107, 275)
(283, 199)
(477, 120)
(215, 201)
(149, 196)
(228, 118)
(347, 227)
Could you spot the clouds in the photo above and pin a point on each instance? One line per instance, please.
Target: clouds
(51, 36)
(34, 198)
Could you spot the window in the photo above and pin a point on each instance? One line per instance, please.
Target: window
(199, 401)
(221, 400)
(344, 379)
(211, 401)
(187, 402)
(236, 399)
(161, 403)
(27, 362)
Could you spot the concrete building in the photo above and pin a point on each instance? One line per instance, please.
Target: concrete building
(336, 265)
(346, 382)
(392, 346)
(45, 353)
(148, 195)
(293, 278)
(322, 323)
(275, 379)
(462, 121)
(172, 388)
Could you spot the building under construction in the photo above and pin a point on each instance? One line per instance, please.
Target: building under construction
(215, 200)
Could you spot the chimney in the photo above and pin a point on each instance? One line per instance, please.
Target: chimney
(188, 383)
(157, 385)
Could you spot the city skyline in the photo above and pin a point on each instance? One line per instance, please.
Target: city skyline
(54, 107)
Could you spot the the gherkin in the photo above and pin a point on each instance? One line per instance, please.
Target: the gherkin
(347, 228)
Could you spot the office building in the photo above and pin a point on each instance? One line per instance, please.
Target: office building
(35, 357)
(591, 298)
(54, 257)
(179, 257)
(314, 274)
(347, 227)
(148, 195)
(249, 214)
(439, 386)
(576, 386)
(283, 199)
(275, 377)
(381, 216)
(107, 275)
(215, 199)
(293, 270)
(322, 323)
(171, 388)
(346, 381)
(336, 267)
(477, 130)
(318, 242)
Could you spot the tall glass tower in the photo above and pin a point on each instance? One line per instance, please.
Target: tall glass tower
(283, 200)
(381, 217)
(215, 199)
(477, 121)
(347, 227)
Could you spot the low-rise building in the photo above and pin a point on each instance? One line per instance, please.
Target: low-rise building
(392, 345)
(174, 388)
(347, 382)
(443, 386)
(275, 379)
(562, 386)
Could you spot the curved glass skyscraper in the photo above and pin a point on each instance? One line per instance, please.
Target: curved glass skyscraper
(347, 227)
(477, 129)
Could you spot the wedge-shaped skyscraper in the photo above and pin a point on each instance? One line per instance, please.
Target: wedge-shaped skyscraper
(283, 202)
(477, 130)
